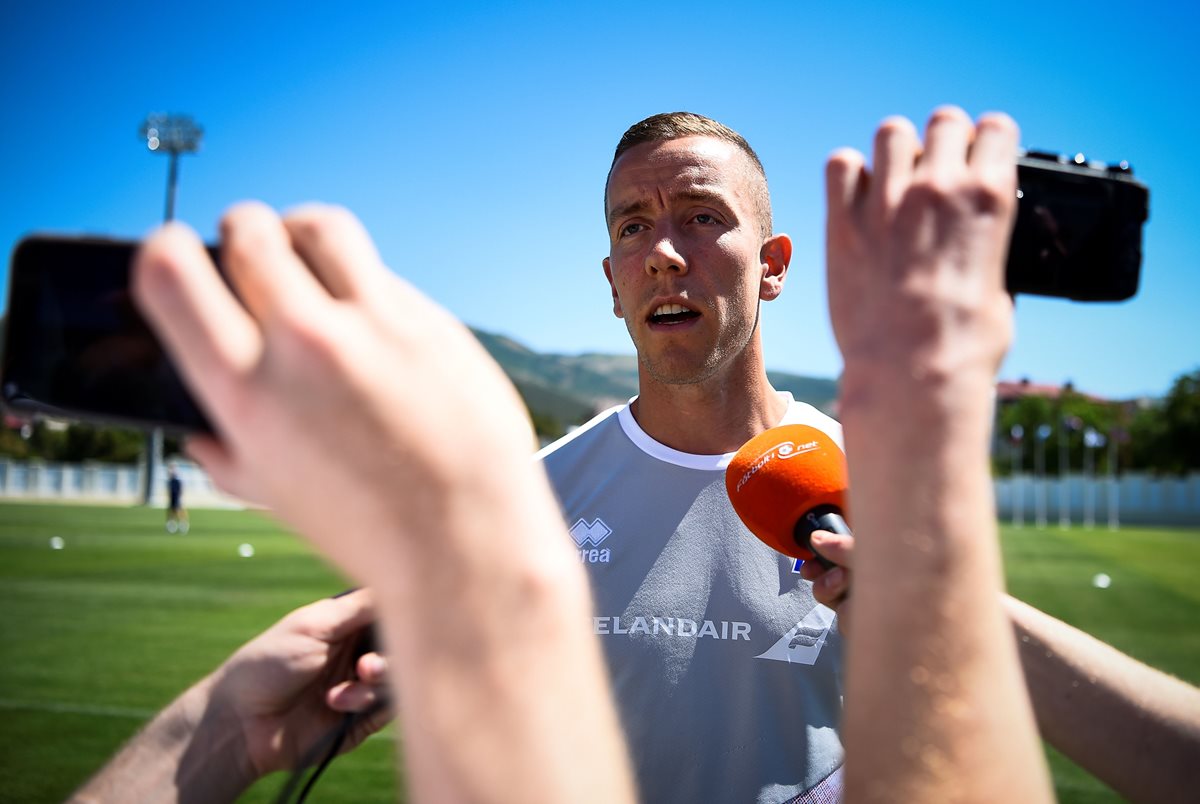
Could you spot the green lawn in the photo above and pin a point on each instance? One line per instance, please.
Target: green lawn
(100, 634)
(1150, 610)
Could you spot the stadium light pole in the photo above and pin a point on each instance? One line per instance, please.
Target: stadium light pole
(173, 135)
(1093, 439)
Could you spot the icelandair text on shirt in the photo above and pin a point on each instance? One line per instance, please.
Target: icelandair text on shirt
(671, 626)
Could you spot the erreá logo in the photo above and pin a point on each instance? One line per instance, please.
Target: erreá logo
(594, 532)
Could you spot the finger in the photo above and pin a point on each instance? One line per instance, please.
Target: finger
(837, 547)
(811, 569)
(897, 146)
(217, 461)
(257, 255)
(347, 615)
(947, 140)
(379, 717)
(336, 247)
(353, 696)
(830, 589)
(202, 326)
(993, 154)
(376, 718)
(846, 181)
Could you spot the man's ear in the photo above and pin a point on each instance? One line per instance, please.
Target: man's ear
(617, 311)
(775, 255)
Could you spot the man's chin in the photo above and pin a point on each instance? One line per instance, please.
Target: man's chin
(676, 371)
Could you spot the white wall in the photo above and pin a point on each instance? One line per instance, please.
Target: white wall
(1139, 498)
(105, 483)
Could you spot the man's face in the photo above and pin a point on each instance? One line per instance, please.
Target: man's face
(686, 262)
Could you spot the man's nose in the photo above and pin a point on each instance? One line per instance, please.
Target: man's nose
(665, 257)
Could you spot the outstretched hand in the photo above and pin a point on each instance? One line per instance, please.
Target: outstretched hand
(289, 687)
(376, 425)
(328, 378)
(916, 255)
(278, 697)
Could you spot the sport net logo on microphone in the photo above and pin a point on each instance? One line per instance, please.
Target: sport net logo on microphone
(783, 451)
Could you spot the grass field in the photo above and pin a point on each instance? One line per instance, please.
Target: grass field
(102, 633)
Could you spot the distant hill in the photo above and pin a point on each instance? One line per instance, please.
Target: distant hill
(569, 389)
(564, 390)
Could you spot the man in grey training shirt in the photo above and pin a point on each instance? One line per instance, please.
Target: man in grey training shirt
(726, 670)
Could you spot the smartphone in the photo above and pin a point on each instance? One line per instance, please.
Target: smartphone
(75, 345)
(1078, 233)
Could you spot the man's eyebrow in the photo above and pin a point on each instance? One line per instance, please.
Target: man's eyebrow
(632, 208)
(694, 195)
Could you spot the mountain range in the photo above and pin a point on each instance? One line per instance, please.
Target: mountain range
(570, 389)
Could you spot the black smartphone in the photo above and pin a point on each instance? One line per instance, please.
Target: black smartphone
(1078, 233)
(76, 346)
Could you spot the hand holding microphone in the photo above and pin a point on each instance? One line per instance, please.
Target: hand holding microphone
(786, 483)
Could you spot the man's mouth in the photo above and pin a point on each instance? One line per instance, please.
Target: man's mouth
(672, 314)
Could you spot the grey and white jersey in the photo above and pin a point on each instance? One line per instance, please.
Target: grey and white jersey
(727, 672)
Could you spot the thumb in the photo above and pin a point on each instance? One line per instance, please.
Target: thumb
(837, 547)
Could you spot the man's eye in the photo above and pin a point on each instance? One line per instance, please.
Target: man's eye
(630, 228)
(704, 218)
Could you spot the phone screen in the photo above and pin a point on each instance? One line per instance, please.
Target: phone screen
(1078, 233)
(77, 347)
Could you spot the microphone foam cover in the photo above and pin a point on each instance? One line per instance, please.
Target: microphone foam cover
(780, 475)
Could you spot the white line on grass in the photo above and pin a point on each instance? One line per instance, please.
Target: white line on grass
(66, 708)
(61, 707)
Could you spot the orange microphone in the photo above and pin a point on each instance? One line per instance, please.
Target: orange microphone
(787, 482)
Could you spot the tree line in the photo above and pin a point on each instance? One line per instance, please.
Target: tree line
(1159, 436)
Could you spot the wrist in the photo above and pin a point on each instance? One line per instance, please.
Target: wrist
(919, 459)
(216, 758)
(189, 751)
(869, 389)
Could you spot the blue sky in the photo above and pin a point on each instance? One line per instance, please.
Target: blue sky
(473, 139)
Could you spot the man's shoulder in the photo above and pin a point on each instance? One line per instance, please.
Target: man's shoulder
(595, 430)
(804, 413)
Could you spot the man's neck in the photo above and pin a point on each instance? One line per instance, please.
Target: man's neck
(708, 418)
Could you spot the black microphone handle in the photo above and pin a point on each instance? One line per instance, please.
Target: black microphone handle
(823, 517)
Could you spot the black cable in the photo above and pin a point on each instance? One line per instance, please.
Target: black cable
(329, 745)
(337, 736)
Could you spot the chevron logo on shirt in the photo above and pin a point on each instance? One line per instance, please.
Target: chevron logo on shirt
(595, 532)
(802, 644)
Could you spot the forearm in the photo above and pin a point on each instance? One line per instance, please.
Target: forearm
(931, 668)
(1132, 726)
(499, 677)
(188, 753)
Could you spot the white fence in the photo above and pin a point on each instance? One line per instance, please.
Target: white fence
(105, 483)
(1132, 497)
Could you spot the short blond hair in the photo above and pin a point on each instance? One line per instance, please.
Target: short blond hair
(677, 125)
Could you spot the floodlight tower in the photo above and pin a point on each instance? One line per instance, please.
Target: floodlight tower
(171, 134)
